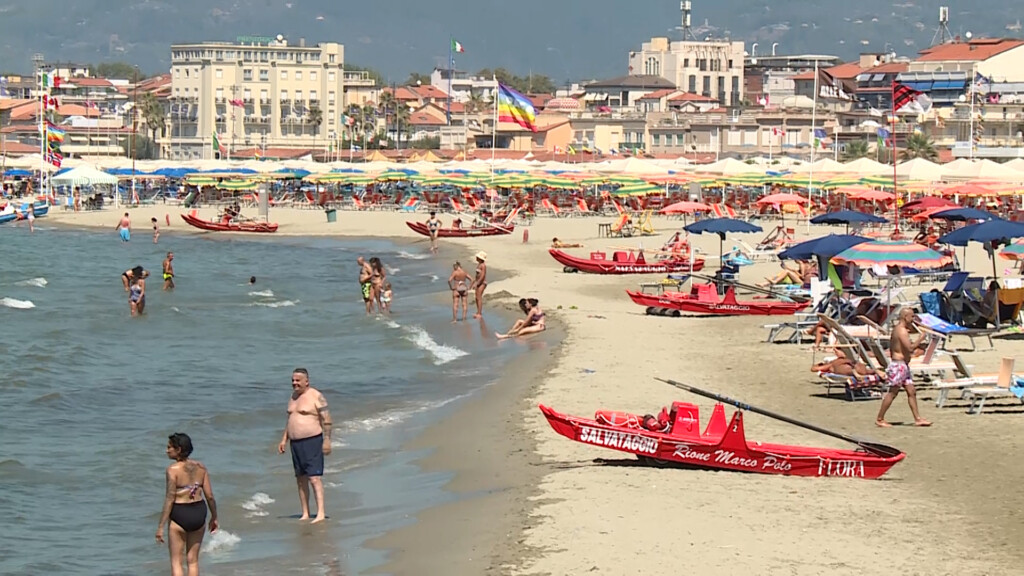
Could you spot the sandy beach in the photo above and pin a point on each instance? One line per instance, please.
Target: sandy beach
(536, 503)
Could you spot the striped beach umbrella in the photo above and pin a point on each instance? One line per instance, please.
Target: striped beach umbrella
(892, 253)
(1013, 251)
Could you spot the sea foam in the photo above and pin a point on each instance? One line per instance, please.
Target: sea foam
(409, 256)
(18, 304)
(220, 541)
(442, 353)
(36, 282)
(262, 294)
(255, 504)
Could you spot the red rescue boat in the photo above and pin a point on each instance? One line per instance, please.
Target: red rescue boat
(703, 299)
(623, 262)
(674, 436)
(231, 226)
(421, 228)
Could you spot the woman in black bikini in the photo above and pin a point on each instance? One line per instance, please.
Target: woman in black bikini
(184, 507)
(377, 278)
(479, 283)
(533, 324)
(459, 284)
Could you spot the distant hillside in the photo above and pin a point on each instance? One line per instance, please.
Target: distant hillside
(569, 39)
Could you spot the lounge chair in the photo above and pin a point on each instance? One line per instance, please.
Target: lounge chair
(867, 387)
(940, 329)
(930, 362)
(1006, 385)
(971, 380)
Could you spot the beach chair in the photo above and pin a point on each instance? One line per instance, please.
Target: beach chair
(866, 387)
(358, 203)
(1007, 385)
(972, 380)
(931, 362)
(550, 206)
(723, 211)
(944, 331)
(758, 254)
(581, 208)
(457, 205)
(411, 204)
(622, 227)
(646, 227)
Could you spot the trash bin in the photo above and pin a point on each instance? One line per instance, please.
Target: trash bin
(332, 215)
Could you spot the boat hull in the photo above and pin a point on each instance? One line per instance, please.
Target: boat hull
(256, 227)
(592, 266)
(721, 447)
(40, 209)
(421, 228)
(725, 307)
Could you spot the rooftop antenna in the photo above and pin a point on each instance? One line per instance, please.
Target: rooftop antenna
(942, 33)
(687, 9)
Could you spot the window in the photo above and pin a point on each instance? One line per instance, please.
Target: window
(263, 96)
(220, 94)
(680, 139)
(247, 75)
(330, 97)
(312, 95)
(186, 72)
(177, 72)
(284, 74)
(707, 86)
(312, 75)
(330, 58)
(264, 75)
(656, 138)
(284, 95)
(298, 94)
(247, 94)
(693, 84)
(218, 73)
(686, 62)
(330, 118)
(702, 64)
(730, 64)
(330, 77)
(298, 74)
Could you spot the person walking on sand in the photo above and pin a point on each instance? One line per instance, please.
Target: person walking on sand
(901, 350)
(124, 228)
(184, 508)
(433, 226)
(480, 282)
(168, 266)
(365, 273)
(459, 284)
(309, 432)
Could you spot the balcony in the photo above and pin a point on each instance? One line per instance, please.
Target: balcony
(314, 102)
(247, 100)
(264, 101)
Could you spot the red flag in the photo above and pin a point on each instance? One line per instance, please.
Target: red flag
(903, 95)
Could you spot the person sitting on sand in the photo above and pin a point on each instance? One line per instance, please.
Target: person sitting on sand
(457, 224)
(533, 324)
(556, 243)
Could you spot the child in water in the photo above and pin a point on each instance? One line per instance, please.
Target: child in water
(385, 298)
(156, 231)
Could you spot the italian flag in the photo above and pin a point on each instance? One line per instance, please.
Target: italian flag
(457, 46)
(51, 80)
(217, 146)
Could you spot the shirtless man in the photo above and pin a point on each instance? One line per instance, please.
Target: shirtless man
(169, 271)
(901, 350)
(480, 283)
(459, 283)
(365, 274)
(124, 228)
(309, 431)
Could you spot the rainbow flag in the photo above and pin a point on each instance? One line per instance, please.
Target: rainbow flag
(516, 108)
(54, 134)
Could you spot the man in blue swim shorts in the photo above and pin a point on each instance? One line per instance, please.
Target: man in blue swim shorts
(309, 432)
(124, 228)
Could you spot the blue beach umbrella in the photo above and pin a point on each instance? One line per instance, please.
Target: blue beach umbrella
(847, 217)
(996, 230)
(721, 226)
(823, 249)
(963, 215)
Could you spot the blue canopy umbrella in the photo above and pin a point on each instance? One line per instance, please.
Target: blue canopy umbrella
(721, 226)
(823, 249)
(17, 172)
(996, 230)
(847, 217)
(963, 215)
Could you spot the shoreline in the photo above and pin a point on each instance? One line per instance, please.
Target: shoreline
(574, 512)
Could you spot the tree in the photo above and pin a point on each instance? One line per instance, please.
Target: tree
(919, 146)
(118, 70)
(856, 149)
(402, 117)
(152, 112)
(530, 84)
(145, 147)
(417, 78)
(315, 117)
(428, 143)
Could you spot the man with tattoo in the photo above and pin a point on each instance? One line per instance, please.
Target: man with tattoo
(309, 432)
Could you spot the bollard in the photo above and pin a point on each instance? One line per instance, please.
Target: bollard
(526, 235)
(167, 217)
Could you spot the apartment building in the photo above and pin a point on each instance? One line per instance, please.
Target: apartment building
(712, 68)
(257, 92)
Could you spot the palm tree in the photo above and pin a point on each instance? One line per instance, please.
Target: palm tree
(152, 112)
(856, 149)
(919, 146)
(315, 116)
(387, 106)
(402, 117)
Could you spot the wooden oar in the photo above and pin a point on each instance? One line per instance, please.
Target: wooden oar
(755, 289)
(872, 447)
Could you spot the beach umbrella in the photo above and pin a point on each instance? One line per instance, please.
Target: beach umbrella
(990, 231)
(891, 253)
(685, 207)
(928, 202)
(847, 217)
(1013, 251)
(823, 248)
(873, 196)
(962, 214)
(781, 199)
(722, 226)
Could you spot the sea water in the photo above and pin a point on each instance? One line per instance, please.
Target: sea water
(88, 395)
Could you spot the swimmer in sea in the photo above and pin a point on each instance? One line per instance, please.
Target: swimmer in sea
(365, 273)
(385, 297)
(156, 231)
(168, 267)
(137, 293)
(186, 499)
(252, 280)
(124, 228)
(459, 284)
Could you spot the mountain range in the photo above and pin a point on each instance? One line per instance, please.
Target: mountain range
(568, 40)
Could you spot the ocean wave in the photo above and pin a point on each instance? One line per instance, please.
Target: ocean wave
(395, 416)
(276, 303)
(220, 541)
(39, 282)
(409, 256)
(18, 304)
(442, 353)
(262, 294)
(392, 324)
(392, 271)
(256, 503)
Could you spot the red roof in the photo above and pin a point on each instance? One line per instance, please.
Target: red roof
(846, 71)
(688, 97)
(424, 119)
(657, 94)
(429, 92)
(402, 93)
(11, 147)
(80, 82)
(973, 51)
(539, 100)
(887, 68)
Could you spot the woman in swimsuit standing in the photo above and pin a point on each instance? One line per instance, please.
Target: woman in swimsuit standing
(480, 283)
(433, 225)
(533, 324)
(377, 278)
(184, 507)
(137, 293)
(459, 283)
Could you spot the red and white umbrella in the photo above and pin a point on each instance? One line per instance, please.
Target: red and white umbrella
(685, 207)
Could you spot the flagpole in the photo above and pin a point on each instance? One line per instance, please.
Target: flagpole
(494, 127)
(895, 188)
(451, 66)
(974, 83)
(814, 119)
